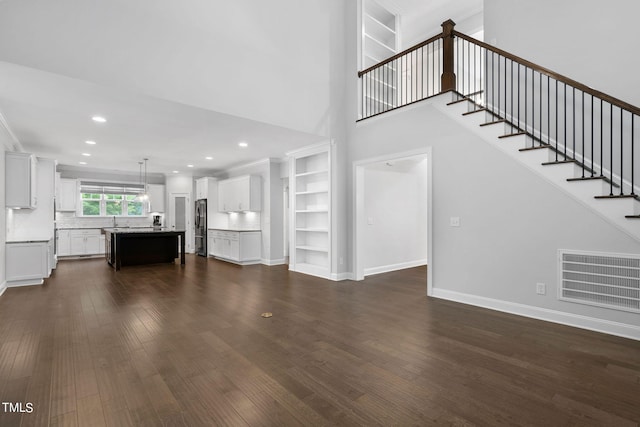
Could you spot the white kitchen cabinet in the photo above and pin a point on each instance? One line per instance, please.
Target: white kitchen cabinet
(239, 194)
(156, 198)
(64, 242)
(27, 263)
(68, 195)
(240, 247)
(202, 188)
(20, 176)
(80, 242)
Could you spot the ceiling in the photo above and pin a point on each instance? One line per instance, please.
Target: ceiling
(174, 88)
(51, 115)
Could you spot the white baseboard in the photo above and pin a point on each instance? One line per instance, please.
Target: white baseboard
(337, 277)
(393, 267)
(271, 262)
(569, 319)
(3, 287)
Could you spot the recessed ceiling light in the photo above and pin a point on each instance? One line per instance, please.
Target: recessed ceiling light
(176, 172)
(243, 144)
(189, 166)
(99, 119)
(83, 163)
(209, 158)
(90, 142)
(86, 154)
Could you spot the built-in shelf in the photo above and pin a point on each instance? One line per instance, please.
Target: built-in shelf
(379, 33)
(313, 248)
(311, 203)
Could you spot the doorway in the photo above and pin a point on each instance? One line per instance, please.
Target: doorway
(180, 216)
(393, 213)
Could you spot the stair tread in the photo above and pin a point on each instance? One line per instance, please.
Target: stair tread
(589, 178)
(512, 134)
(457, 101)
(493, 122)
(479, 110)
(558, 162)
(537, 147)
(618, 196)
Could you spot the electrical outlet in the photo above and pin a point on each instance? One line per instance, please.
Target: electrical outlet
(541, 288)
(341, 261)
(454, 221)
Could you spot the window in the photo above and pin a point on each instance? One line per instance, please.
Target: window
(100, 199)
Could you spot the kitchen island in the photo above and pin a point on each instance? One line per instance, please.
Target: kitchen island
(148, 245)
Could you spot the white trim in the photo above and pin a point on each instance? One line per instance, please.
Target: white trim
(347, 275)
(260, 162)
(271, 262)
(310, 149)
(358, 208)
(3, 287)
(24, 282)
(569, 319)
(393, 267)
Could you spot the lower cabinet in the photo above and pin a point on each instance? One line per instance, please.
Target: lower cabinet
(27, 263)
(240, 247)
(80, 242)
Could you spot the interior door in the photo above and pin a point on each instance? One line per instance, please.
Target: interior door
(179, 210)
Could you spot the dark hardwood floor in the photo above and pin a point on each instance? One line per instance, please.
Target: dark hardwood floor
(186, 346)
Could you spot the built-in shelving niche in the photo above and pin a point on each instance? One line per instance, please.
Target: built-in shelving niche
(310, 178)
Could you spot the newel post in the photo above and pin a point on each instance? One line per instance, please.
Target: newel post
(448, 78)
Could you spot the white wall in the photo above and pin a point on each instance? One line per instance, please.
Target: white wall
(395, 216)
(589, 41)
(512, 221)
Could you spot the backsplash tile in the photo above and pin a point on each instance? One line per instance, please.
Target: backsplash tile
(70, 220)
(244, 221)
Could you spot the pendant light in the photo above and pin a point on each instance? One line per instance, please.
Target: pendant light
(143, 196)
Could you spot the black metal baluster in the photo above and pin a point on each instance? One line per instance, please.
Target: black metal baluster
(633, 187)
(564, 142)
(526, 92)
(557, 120)
(498, 86)
(422, 72)
(601, 138)
(592, 155)
(511, 114)
(540, 101)
(573, 116)
(519, 66)
(533, 107)
(584, 162)
(621, 154)
(549, 139)
(611, 149)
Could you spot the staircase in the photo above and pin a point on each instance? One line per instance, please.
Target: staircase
(580, 139)
(546, 161)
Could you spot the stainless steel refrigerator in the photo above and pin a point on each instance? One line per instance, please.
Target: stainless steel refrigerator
(201, 227)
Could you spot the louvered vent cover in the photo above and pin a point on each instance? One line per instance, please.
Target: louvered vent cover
(602, 279)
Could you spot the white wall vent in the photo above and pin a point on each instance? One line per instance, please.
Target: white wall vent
(601, 279)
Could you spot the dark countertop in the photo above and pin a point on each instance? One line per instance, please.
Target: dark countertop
(145, 230)
(232, 229)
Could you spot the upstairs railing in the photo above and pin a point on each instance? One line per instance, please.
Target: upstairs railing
(581, 125)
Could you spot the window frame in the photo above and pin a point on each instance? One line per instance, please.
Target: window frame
(125, 197)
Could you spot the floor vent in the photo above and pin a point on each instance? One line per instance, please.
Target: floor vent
(602, 279)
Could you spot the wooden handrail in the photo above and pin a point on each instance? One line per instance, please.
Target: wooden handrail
(398, 55)
(556, 76)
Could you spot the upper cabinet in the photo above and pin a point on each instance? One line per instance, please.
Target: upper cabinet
(20, 179)
(67, 196)
(240, 194)
(156, 198)
(205, 187)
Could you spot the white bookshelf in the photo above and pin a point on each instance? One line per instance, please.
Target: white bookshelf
(310, 181)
